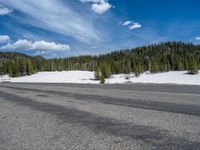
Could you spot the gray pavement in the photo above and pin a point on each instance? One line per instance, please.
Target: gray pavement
(81, 116)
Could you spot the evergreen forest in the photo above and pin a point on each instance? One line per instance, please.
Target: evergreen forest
(169, 56)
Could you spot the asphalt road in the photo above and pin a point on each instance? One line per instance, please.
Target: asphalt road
(97, 117)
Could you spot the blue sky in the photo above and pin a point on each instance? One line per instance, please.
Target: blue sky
(60, 28)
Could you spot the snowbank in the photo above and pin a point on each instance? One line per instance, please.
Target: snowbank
(56, 77)
(172, 77)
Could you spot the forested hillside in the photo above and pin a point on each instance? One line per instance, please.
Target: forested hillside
(155, 58)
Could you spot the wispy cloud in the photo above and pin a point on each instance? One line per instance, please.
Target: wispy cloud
(131, 25)
(55, 16)
(126, 23)
(98, 6)
(37, 45)
(4, 10)
(134, 26)
(4, 38)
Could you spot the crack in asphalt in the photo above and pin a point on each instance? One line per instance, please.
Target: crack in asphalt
(187, 109)
(158, 139)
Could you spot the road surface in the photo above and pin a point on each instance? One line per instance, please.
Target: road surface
(98, 117)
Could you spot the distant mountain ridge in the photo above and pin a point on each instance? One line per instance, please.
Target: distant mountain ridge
(16, 55)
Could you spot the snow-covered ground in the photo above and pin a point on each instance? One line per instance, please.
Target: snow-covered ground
(56, 77)
(172, 77)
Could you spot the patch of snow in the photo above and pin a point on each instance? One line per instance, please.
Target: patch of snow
(172, 77)
(55, 77)
(5, 78)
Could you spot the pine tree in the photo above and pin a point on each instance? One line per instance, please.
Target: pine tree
(105, 70)
(102, 79)
(193, 66)
(97, 73)
(154, 67)
(15, 69)
(29, 67)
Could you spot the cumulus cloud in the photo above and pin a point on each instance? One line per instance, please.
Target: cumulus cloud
(4, 38)
(37, 45)
(198, 38)
(4, 10)
(131, 25)
(98, 6)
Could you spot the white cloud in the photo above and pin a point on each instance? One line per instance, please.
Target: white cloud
(37, 45)
(126, 23)
(197, 38)
(4, 38)
(4, 10)
(55, 16)
(99, 6)
(92, 1)
(134, 26)
(131, 25)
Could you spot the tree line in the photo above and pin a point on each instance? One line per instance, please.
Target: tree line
(154, 58)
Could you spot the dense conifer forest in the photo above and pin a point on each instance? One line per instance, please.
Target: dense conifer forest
(154, 58)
